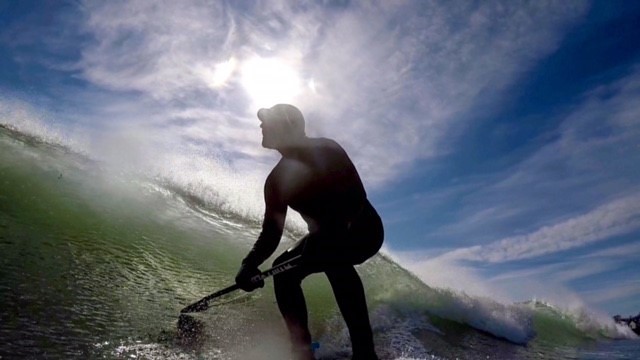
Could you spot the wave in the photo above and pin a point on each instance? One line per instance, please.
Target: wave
(407, 315)
(570, 326)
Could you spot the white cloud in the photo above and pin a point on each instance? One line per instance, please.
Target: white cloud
(561, 272)
(391, 84)
(615, 218)
(588, 161)
(553, 282)
(571, 283)
(617, 290)
(622, 252)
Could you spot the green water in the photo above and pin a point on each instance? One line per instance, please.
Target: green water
(85, 260)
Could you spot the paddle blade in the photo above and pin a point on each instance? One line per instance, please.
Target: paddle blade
(203, 304)
(189, 328)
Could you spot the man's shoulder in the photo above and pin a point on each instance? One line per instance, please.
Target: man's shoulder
(324, 141)
(326, 144)
(278, 169)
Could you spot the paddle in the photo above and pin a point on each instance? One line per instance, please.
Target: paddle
(203, 304)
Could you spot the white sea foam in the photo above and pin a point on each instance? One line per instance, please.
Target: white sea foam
(512, 322)
(394, 336)
(22, 117)
(396, 333)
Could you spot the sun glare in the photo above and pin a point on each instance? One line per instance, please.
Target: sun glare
(270, 81)
(223, 71)
(217, 76)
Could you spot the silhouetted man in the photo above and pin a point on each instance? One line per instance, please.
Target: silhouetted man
(316, 178)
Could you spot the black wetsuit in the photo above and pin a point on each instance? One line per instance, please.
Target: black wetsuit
(318, 180)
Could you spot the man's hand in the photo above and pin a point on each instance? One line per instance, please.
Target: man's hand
(243, 279)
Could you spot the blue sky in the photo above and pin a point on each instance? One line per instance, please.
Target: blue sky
(500, 140)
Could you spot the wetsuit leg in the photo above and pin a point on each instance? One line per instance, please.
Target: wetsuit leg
(333, 251)
(349, 292)
(292, 305)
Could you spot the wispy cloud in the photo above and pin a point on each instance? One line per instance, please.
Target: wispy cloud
(615, 218)
(617, 290)
(560, 272)
(622, 252)
(391, 81)
(587, 162)
(567, 283)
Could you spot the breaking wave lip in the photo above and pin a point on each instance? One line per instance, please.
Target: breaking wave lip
(26, 123)
(589, 324)
(204, 200)
(511, 322)
(199, 195)
(519, 323)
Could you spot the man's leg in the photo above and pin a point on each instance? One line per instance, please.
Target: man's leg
(292, 305)
(350, 297)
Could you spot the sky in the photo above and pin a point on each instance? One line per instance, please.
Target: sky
(499, 140)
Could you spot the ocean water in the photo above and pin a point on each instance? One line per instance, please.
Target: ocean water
(97, 263)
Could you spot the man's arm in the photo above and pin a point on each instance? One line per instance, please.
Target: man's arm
(272, 225)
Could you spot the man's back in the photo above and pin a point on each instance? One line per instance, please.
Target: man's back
(318, 180)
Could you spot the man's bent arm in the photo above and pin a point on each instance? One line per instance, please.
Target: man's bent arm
(272, 226)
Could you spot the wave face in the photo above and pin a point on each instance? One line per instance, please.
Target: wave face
(98, 263)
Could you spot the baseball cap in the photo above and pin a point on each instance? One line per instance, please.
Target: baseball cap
(286, 113)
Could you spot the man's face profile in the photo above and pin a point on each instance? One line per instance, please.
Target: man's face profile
(271, 133)
(282, 126)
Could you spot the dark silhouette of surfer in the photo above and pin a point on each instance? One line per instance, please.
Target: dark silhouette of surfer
(316, 178)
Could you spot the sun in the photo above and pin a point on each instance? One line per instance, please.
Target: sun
(270, 81)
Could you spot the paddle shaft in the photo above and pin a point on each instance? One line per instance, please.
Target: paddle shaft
(203, 304)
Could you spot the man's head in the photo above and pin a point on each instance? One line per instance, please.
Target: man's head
(282, 126)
